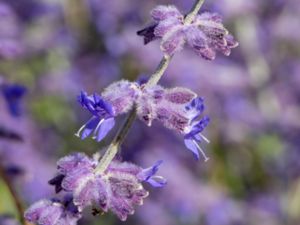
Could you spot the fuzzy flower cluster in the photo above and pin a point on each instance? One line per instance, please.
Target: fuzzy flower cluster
(205, 34)
(119, 188)
(178, 109)
(116, 99)
(53, 212)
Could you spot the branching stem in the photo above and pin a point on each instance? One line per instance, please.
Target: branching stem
(154, 79)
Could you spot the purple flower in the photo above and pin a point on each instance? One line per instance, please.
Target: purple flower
(205, 34)
(116, 99)
(148, 175)
(118, 189)
(10, 48)
(53, 212)
(177, 109)
(102, 120)
(193, 132)
(13, 94)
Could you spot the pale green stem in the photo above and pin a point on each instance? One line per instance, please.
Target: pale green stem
(193, 13)
(154, 79)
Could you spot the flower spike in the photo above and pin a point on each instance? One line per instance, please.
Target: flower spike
(205, 34)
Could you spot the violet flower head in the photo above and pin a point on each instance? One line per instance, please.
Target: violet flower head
(102, 120)
(178, 109)
(149, 176)
(205, 34)
(116, 99)
(119, 188)
(193, 135)
(13, 94)
(53, 212)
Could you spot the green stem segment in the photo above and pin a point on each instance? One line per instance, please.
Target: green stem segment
(154, 79)
(193, 13)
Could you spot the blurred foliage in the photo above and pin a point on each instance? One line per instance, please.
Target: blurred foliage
(52, 110)
(6, 204)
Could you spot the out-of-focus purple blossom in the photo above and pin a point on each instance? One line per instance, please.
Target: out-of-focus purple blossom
(53, 212)
(118, 189)
(116, 99)
(11, 45)
(9, 48)
(178, 109)
(30, 9)
(8, 220)
(13, 94)
(223, 212)
(205, 34)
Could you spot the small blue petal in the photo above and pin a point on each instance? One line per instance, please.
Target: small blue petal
(147, 173)
(105, 127)
(199, 127)
(96, 105)
(196, 103)
(157, 181)
(89, 127)
(192, 146)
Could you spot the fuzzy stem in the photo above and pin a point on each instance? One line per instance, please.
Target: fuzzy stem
(17, 201)
(163, 65)
(193, 13)
(154, 79)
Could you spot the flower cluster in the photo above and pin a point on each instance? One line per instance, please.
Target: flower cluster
(111, 185)
(54, 212)
(116, 99)
(205, 34)
(119, 188)
(177, 108)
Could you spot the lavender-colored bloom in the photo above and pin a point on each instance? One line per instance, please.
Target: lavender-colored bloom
(205, 34)
(13, 94)
(177, 109)
(193, 131)
(118, 189)
(121, 95)
(9, 48)
(116, 99)
(53, 212)
(8, 220)
(148, 175)
(11, 45)
(102, 120)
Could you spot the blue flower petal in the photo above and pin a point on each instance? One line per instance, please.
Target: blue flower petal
(89, 127)
(148, 175)
(96, 105)
(192, 146)
(105, 127)
(199, 127)
(157, 181)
